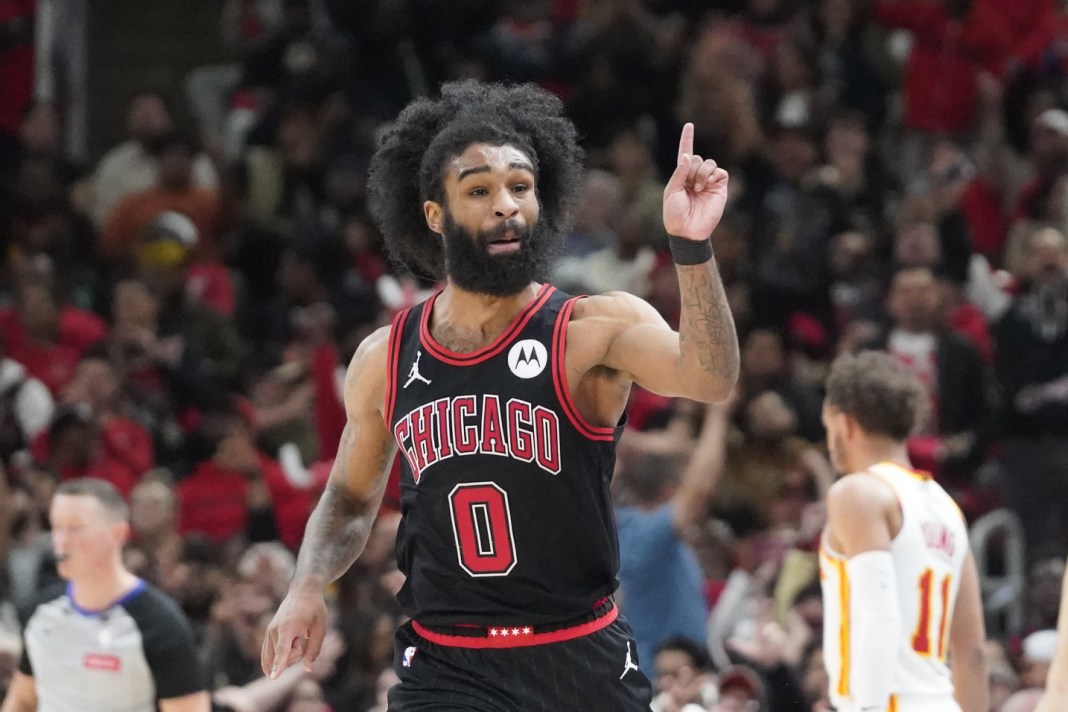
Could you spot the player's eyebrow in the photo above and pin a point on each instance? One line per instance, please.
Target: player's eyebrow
(518, 165)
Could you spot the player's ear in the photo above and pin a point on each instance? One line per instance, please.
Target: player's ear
(435, 216)
(849, 425)
(121, 531)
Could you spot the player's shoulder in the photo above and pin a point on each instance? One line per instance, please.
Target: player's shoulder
(610, 305)
(158, 617)
(154, 609)
(375, 344)
(860, 493)
(372, 353)
(612, 312)
(943, 498)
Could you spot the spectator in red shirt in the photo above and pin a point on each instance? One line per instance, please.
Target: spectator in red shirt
(315, 348)
(34, 334)
(91, 437)
(237, 491)
(16, 61)
(39, 314)
(952, 443)
(1025, 29)
(952, 41)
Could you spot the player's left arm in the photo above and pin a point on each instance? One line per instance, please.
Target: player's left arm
(196, 702)
(700, 360)
(21, 694)
(967, 632)
(171, 654)
(860, 526)
(1056, 695)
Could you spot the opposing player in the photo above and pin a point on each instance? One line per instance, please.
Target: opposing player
(506, 398)
(1055, 696)
(903, 623)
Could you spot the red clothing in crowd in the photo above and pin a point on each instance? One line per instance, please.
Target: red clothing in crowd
(764, 39)
(16, 64)
(53, 365)
(1025, 207)
(982, 206)
(129, 442)
(968, 321)
(329, 403)
(213, 502)
(211, 284)
(923, 451)
(947, 54)
(77, 328)
(1026, 28)
(645, 407)
(369, 265)
(121, 455)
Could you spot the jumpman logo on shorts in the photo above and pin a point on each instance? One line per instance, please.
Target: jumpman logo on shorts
(628, 664)
(414, 374)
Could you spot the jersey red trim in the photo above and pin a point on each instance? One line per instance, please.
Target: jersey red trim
(920, 475)
(499, 344)
(395, 333)
(496, 638)
(563, 390)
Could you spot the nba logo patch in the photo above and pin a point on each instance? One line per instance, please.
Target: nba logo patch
(409, 653)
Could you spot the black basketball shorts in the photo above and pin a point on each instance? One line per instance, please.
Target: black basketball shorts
(589, 667)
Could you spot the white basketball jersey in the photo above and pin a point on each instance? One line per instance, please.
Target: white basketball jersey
(928, 554)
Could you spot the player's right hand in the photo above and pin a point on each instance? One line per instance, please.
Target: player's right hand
(296, 632)
(1049, 702)
(696, 193)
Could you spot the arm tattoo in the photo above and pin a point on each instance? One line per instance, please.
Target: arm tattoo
(706, 327)
(338, 529)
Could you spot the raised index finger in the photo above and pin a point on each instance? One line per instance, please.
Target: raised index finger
(686, 140)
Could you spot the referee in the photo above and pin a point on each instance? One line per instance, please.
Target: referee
(107, 642)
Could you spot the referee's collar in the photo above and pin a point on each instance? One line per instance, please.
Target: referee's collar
(125, 598)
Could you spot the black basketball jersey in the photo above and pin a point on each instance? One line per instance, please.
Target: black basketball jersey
(506, 511)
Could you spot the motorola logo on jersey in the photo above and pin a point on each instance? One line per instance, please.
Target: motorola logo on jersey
(528, 358)
(479, 425)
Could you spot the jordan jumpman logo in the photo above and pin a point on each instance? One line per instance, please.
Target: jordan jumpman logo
(628, 665)
(414, 374)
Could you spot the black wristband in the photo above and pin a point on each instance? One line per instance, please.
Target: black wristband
(690, 252)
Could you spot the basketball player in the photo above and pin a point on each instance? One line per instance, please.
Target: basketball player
(505, 398)
(903, 623)
(107, 641)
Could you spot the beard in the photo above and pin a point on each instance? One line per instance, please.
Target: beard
(471, 267)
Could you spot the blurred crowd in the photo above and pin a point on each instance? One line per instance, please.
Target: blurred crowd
(176, 315)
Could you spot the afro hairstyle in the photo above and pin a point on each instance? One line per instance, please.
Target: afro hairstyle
(409, 166)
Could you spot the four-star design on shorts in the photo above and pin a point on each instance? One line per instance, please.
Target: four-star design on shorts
(525, 630)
